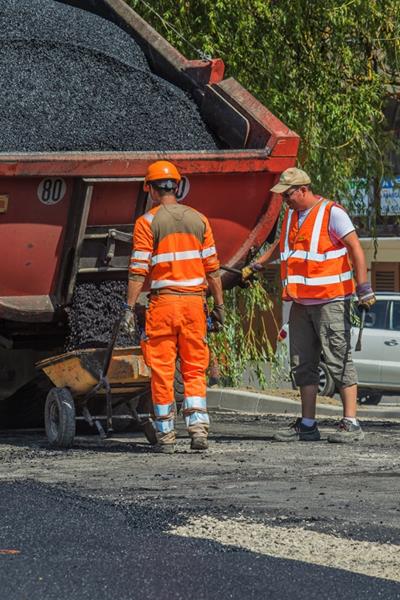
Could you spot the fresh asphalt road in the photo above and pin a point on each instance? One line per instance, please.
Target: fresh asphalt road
(77, 548)
(250, 519)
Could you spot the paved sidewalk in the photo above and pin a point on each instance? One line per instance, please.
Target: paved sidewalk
(244, 401)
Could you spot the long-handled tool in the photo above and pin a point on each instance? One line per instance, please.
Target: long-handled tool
(231, 270)
(243, 283)
(104, 382)
(360, 332)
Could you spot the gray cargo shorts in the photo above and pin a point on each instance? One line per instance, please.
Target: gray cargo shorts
(316, 329)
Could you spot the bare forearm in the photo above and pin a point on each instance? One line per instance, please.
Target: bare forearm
(357, 257)
(359, 263)
(215, 286)
(134, 289)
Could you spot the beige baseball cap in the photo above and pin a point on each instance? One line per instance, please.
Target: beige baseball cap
(289, 178)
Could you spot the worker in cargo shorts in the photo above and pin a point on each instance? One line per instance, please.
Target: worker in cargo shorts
(320, 256)
(173, 245)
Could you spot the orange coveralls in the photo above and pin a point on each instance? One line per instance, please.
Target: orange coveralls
(173, 245)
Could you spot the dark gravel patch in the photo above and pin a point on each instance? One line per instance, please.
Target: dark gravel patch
(74, 81)
(93, 312)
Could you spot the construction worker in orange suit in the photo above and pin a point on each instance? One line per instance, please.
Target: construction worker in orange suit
(173, 246)
(320, 256)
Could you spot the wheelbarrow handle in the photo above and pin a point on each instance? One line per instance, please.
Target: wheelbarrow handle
(110, 347)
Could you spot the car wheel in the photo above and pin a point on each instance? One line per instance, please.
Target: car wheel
(371, 398)
(326, 386)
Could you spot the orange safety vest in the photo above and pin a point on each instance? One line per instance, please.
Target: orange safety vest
(178, 260)
(312, 265)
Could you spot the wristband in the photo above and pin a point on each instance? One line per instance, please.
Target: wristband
(364, 288)
(128, 307)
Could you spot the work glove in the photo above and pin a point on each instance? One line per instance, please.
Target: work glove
(251, 270)
(128, 323)
(365, 295)
(218, 317)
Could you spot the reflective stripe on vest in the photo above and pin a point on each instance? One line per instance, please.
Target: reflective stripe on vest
(171, 256)
(318, 280)
(209, 252)
(149, 217)
(161, 283)
(140, 255)
(137, 265)
(303, 255)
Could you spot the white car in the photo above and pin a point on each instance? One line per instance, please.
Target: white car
(378, 361)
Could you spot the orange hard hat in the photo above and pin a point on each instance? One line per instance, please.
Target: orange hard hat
(161, 171)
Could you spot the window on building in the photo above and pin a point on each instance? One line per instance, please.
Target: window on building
(386, 276)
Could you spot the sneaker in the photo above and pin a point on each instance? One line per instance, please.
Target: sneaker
(298, 432)
(346, 433)
(199, 442)
(164, 448)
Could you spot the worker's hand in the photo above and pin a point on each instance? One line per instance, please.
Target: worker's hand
(128, 323)
(251, 270)
(218, 317)
(365, 295)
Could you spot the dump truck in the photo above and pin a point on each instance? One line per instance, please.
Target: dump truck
(67, 217)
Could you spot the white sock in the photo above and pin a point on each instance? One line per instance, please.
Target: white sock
(352, 420)
(308, 422)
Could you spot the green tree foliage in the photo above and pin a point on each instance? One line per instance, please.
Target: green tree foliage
(324, 67)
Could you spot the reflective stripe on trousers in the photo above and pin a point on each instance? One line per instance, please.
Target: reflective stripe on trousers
(164, 417)
(195, 411)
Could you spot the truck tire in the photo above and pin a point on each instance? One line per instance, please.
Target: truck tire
(178, 387)
(371, 398)
(326, 386)
(25, 408)
(59, 417)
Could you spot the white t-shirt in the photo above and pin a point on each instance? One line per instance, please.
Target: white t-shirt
(340, 225)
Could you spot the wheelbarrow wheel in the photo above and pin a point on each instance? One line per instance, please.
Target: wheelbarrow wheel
(59, 417)
(149, 431)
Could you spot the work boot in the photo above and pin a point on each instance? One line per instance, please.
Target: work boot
(165, 443)
(346, 433)
(164, 448)
(199, 442)
(298, 432)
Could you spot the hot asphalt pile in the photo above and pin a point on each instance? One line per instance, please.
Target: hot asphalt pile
(74, 81)
(93, 312)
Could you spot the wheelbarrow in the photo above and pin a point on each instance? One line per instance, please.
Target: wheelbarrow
(84, 379)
